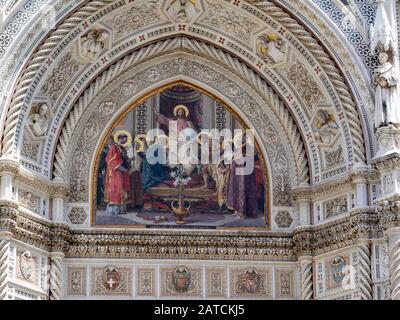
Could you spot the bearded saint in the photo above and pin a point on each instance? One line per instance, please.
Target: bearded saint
(117, 188)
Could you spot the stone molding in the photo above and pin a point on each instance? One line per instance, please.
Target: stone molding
(197, 244)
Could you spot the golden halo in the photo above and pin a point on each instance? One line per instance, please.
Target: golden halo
(139, 140)
(121, 132)
(181, 106)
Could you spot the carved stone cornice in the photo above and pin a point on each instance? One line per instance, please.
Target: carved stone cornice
(322, 190)
(195, 244)
(359, 224)
(363, 174)
(389, 214)
(51, 188)
(8, 216)
(303, 238)
(183, 245)
(388, 162)
(59, 189)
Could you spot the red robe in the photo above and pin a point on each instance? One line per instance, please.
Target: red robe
(117, 188)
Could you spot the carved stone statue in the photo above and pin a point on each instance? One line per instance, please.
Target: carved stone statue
(39, 121)
(325, 127)
(182, 10)
(386, 78)
(94, 43)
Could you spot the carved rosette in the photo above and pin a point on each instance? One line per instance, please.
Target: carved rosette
(4, 265)
(56, 277)
(364, 269)
(306, 269)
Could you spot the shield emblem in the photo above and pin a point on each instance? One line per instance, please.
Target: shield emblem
(111, 278)
(181, 279)
(250, 281)
(337, 267)
(26, 265)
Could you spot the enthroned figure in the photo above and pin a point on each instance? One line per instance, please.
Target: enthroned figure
(176, 126)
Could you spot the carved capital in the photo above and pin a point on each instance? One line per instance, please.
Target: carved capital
(59, 189)
(9, 166)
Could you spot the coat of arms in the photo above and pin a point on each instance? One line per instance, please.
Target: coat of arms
(181, 279)
(337, 267)
(26, 265)
(111, 278)
(250, 281)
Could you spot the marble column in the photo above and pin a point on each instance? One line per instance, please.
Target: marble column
(306, 277)
(56, 273)
(364, 270)
(394, 262)
(4, 264)
(58, 208)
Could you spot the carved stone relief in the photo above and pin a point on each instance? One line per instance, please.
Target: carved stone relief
(183, 10)
(94, 42)
(251, 283)
(230, 21)
(216, 282)
(145, 282)
(271, 48)
(181, 281)
(134, 18)
(111, 281)
(304, 83)
(29, 201)
(27, 268)
(335, 207)
(76, 281)
(77, 215)
(333, 157)
(283, 219)
(65, 70)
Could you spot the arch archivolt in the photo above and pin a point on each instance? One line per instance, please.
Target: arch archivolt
(157, 73)
(233, 45)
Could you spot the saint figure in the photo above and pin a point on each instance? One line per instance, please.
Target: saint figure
(117, 189)
(241, 190)
(39, 121)
(386, 77)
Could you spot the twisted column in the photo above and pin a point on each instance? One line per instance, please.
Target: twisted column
(4, 265)
(306, 269)
(364, 268)
(394, 263)
(56, 261)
